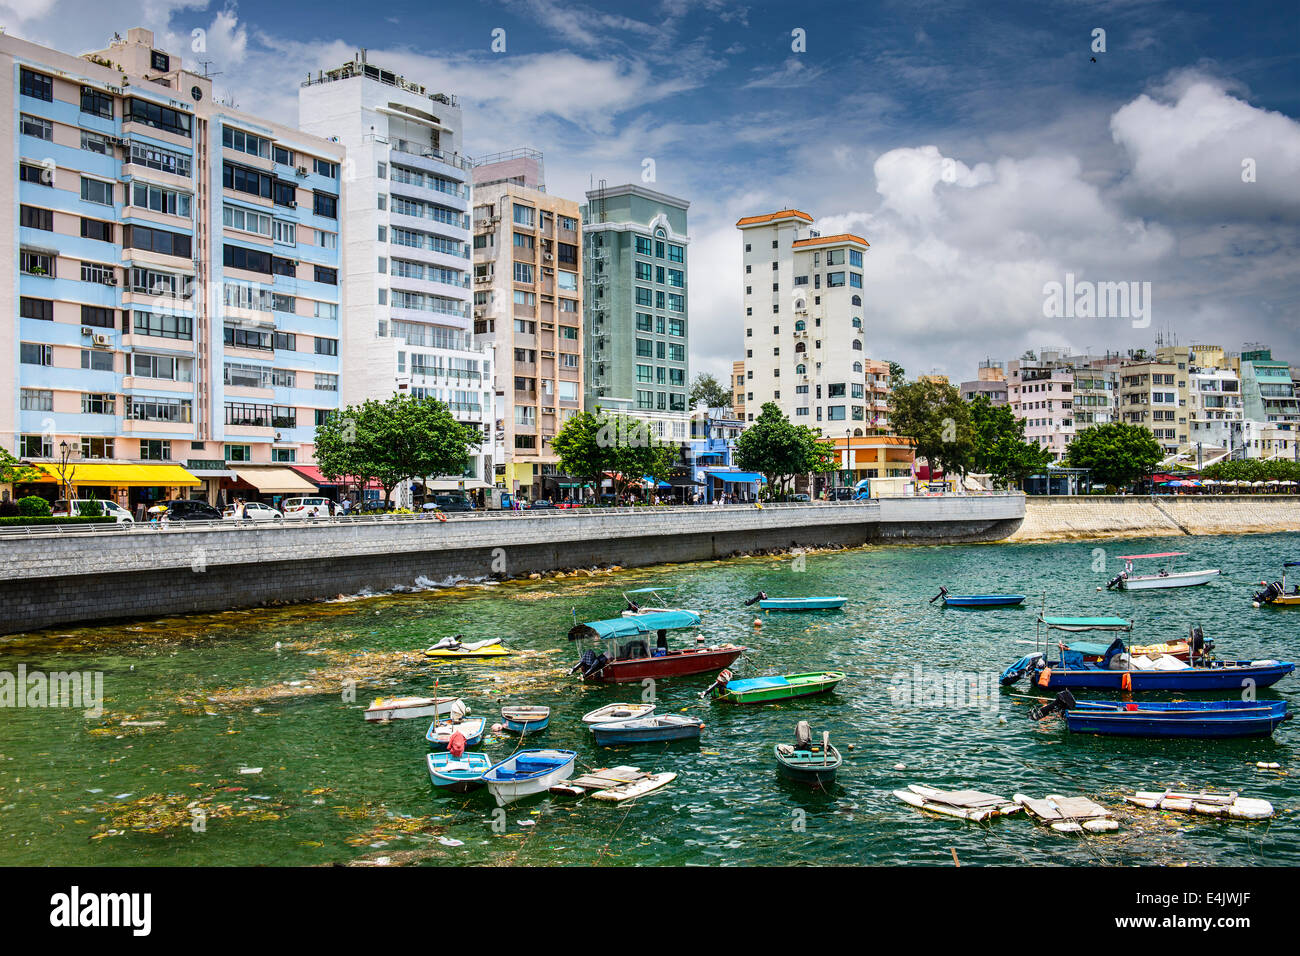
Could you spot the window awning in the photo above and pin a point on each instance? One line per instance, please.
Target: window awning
(735, 477)
(119, 474)
(276, 481)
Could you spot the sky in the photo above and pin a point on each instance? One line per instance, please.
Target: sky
(985, 151)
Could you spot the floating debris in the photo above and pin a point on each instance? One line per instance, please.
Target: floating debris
(1068, 814)
(1208, 804)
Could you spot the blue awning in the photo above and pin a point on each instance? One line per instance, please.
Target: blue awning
(1088, 623)
(735, 477)
(646, 479)
(635, 625)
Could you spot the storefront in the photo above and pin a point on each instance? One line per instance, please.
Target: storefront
(267, 484)
(732, 486)
(132, 485)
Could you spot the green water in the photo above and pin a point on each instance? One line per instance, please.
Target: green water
(332, 788)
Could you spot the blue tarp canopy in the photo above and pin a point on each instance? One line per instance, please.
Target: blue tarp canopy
(621, 628)
(735, 477)
(1088, 623)
(646, 479)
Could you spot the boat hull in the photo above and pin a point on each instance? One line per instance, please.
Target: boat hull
(983, 600)
(1145, 724)
(439, 735)
(507, 785)
(673, 664)
(614, 734)
(771, 693)
(810, 772)
(1193, 678)
(1183, 579)
(457, 781)
(611, 713)
(802, 604)
(436, 707)
(526, 726)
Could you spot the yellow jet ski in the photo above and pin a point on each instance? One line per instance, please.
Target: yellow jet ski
(453, 647)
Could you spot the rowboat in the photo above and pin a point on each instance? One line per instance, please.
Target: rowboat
(796, 604)
(1118, 669)
(653, 599)
(977, 600)
(1209, 804)
(806, 762)
(615, 784)
(970, 805)
(458, 774)
(452, 647)
(765, 690)
(528, 772)
(1126, 580)
(657, 728)
(1276, 594)
(620, 653)
(612, 712)
(526, 719)
(471, 728)
(1201, 719)
(1068, 814)
(399, 708)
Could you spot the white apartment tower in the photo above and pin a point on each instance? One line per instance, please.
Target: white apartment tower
(805, 345)
(407, 325)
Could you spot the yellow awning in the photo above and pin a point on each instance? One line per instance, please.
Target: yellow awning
(277, 481)
(119, 474)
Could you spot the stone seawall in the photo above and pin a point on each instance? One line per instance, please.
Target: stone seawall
(51, 578)
(1053, 518)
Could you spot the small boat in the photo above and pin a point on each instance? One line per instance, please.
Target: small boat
(765, 690)
(634, 608)
(796, 604)
(970, 805)
(1276, 594)
(615, 784)
(612, 712)
(1209, 804)
(471, 728)
(528, 772)
(400, 708)
(621, 653)
(977, 600)
(1126, 580)
(453, 647)
(1068, 814)
(458, 774)
(1184, 718)
(806, 762)
(526, 719)
(642, 730)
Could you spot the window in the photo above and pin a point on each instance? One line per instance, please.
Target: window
(96, 103)
(325, 204)
(330, 240)
(159, 117)
(36, 400)
(36, 85)
(98, 404)
(524, 215)
(155, 449)
(643, 245)
(35, 446)
(36, 263)
(237, 139)
(30, 308)
(834, 280)
(645, 348)
(835, 390)
(676, 352)
(644, 296)
(96, 229)
(159, 61)
(569, 223)
(153, 157)
(676, 253)
(35, 126)
(163, 326)
(855, 280)
(327, 346)
(244, 180)
(326, 168)
(284, 267)
(281, 155)
(239, 453)
(835, 257)
(166, 367)
(246, 338)
(97, 191)
(676, 376)
(523, 273)
(676, 278)
(97, 316)
(855, 258)
(286, 194)
(643, 271)
(677, 327)
(31, 217)
(286, 342)
(31, 173)
(676, 303)
(92, 447)
(246, 220)
(644, 322)
(326, 275)
(31, 354)
(157, 240)
(566, 281)
(254, 260)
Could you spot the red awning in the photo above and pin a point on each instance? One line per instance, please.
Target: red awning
(923, 473)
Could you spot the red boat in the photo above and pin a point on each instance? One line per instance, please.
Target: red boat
(621, 653)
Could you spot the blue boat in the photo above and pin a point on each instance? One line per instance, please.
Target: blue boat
(1115, 671)
(440, 733)
(978, 600)
(643, 730)
(528, 772)
(796, 604)
(1200, 719)
(526, 719)
(458, 774)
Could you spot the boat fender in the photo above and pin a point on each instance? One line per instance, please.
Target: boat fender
(1126, 682)
(1045, 677)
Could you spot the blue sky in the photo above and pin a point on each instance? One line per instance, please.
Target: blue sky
(977, 146)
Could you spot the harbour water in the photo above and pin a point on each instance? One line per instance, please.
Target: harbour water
(233, 738)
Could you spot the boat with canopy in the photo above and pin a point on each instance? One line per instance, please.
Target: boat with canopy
(1126, 580)
(1276, 594)
(620, 652)
(638, 598)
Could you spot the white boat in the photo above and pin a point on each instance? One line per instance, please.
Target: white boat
(1126, 580)
(400, 708)
(657, 605)
(613, 712)
(528, 772)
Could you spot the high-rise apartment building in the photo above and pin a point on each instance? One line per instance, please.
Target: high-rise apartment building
(635, 257)
(1041, 391)
(176, 301)
(1148, 397)
(738, 390)
(805, 343)
(407, 326)
(528, 304)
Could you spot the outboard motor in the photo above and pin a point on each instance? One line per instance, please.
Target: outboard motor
(1064, 701)
(1020, 668)
(720, 683)
(1113, 583)
(1197, 643)
(760, 596)
(1265, 596)
(592, 663)
(943, 592)
(802, 736)
(634, 607)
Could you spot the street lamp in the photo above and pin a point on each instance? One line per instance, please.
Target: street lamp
(65, 452)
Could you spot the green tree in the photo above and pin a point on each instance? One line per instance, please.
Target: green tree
(12, 470)
(778, 450)
(709, 392)
(1254, 469)
(1000, 447)
(897, 375)
(591, 446)
(934, 416)
(394, 440)
(1118, 454)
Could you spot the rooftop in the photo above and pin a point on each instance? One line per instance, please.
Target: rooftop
(839, 239)
(357, 67)
(773, 217)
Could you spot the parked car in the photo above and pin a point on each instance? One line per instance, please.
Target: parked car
(841, 494)
(189, 510)
(312, 507)
(799, 497)
(110, 509)
(373, 508)
(540, 505)
(252, 511)
(449, 503)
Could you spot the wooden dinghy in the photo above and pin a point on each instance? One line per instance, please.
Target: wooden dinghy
(612, 712)
(1210, 804)
(615, 784)
(970, 805)
(1068, 814)
(526, 718)
(439, 734)
(399, 708)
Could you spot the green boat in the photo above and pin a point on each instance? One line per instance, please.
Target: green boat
(806, 762)
(765, 690)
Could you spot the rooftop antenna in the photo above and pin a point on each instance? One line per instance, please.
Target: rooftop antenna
(207, 75)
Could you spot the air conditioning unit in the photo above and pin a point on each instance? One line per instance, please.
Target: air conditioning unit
(87, 330)
(111, 280)
(293, 204)
(547, 257)
(302, 170)
(101, 340)
(277, 436)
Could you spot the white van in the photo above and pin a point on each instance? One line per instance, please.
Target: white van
(110, 509)
(306, 507)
